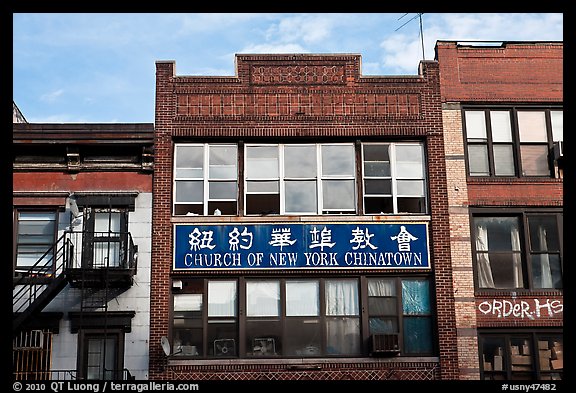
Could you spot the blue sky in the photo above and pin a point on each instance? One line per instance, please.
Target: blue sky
(100, 67)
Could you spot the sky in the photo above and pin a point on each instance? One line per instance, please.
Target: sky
(100, 67)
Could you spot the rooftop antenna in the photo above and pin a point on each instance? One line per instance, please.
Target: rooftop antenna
(419, 16)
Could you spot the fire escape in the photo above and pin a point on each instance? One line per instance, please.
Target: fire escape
(99, 266)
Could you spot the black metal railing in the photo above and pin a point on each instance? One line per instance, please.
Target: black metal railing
(73, 251)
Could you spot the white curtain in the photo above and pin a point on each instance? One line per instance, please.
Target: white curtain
(263, 299)
(222, 298)
(341, 297)
(302, 298)
(546, 273)
(381, 288)
(485, 278)
(516, 258)
(343, 336)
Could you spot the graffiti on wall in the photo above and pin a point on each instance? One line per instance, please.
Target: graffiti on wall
(523, 309)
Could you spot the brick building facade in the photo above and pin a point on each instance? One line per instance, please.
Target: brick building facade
(502, 107)
(82, 212)
(257, 178)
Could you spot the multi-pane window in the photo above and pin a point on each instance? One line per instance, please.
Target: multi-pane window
(205, 179)
(394, 178)
(518, 251)
(511, 142)
(402, 305)
(528, 356)
(35, 238)
(300, 179)
(298, 317)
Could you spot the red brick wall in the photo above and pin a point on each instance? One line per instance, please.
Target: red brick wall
(298, 96)
(515, 72)
(83, 181)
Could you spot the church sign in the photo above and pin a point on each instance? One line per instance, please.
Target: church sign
(302, 246)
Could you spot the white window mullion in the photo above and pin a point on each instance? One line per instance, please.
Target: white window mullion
(206, 174)
(281, 178)
(394, 176)
(319, 195)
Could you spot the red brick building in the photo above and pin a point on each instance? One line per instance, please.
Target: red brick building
(502, 107)
(300, 224)
(82, 212)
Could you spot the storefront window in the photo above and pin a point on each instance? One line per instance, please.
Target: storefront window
(298, 317)
(522, 356)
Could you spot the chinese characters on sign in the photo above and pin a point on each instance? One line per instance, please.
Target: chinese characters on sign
(265, 246)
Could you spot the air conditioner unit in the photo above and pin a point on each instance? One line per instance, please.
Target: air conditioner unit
(558, 150)
(384, 344)
(225, 347)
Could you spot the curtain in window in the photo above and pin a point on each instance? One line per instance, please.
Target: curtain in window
(341, 297)
(302, 298)
(221, 298)
(485, 279)
(516, 258)
(263, 299)
(546, 273)
(343, 336)
(381, 288)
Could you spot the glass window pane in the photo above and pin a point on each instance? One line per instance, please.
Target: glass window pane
(415, 297)
(263, 204)
(376, 169)
(300, 161)
(263, 186)
(410, 187)
(475, 125)
(417, 335)
(382, 306)
(493, 350)
(410, 161)
(377, 187)
(501, 127)
(301, 197)
(343, 336)
(338, 160)
(223, 172)
(478, 160)
(341, 297)
(188, 302)
(304, 338)
(37, 216)
(338, 194)
(104, 222)
(381, 287)
(503, 160)
(499, 233)
(264, 337)
(189, 157)
(222, 190)
(376, 152)
(221, 298)
(543, 233)
(546, 271)
(534, 160)
(302, 298)
(557, 118)
(223, 155)
(261, 162)
(383, 325)
(262, 298)
(189, 191)
(532, 126)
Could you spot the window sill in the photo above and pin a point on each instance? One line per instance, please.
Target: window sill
(300, 363)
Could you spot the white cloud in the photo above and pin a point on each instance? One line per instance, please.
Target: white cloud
(307, 28)
(52, 96)
(274, 48)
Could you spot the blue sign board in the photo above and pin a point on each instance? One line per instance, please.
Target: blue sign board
(302, 246)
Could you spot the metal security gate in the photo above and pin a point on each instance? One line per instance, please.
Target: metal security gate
(32, 355)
